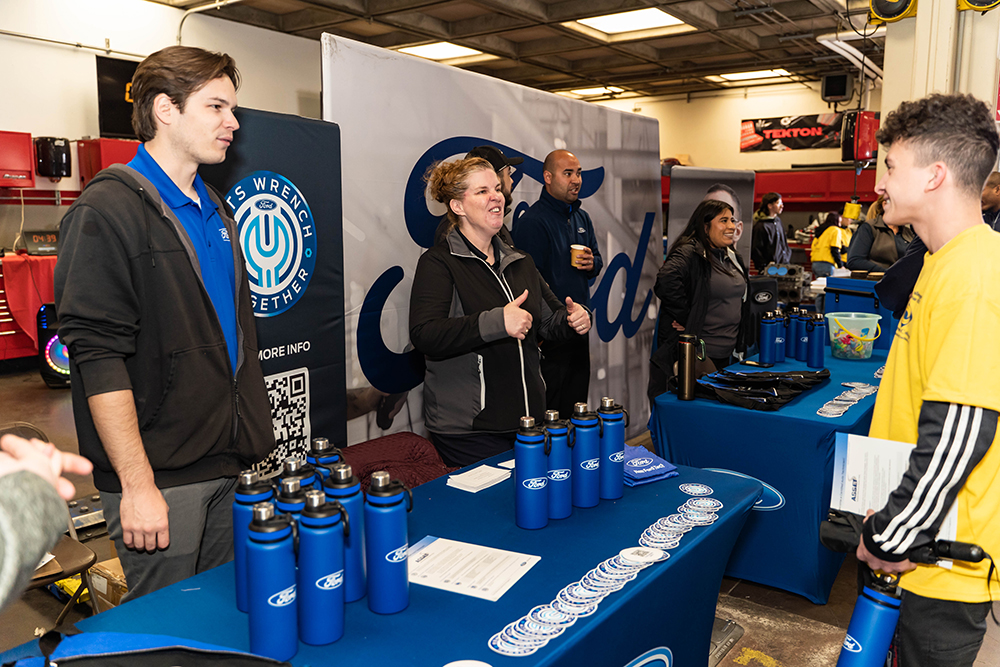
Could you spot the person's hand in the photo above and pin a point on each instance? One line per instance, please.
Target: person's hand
(877, 563)
(517, 320)
(143, 514)
(578, 317)
(45, 460)
(677, 326)
(585, 261)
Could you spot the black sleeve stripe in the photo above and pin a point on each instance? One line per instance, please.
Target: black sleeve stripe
(946, 469)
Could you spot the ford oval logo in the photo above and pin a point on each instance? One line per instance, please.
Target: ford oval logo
(283, 598)
(639, 463)
(770, 500)
(330, 581)
(591, 464)
(266, 205)
(617, 457)
(763, 297)
(535, 483)
(559, 475)
(657, 657)
(399, 555)
(851, 644)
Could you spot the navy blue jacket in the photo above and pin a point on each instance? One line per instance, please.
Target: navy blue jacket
(546, 231)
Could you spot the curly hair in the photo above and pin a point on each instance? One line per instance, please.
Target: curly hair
(179, 72)
(955, 129)
(450, 180)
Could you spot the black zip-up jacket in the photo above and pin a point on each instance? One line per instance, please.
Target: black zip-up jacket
(134, 313)
(479, 379)
(683, 285)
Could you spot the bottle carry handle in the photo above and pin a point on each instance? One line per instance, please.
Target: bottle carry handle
(571, 435)
(346, 519)
(409, 499)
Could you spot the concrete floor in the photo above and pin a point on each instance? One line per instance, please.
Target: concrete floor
(782, 629)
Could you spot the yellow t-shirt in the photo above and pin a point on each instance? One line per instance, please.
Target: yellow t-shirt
(832, 237)
(945, 350)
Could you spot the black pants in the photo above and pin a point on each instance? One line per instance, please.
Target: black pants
(465, 449)
(939, 633)
(566, 369)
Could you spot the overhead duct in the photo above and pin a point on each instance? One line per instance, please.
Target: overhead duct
(837, 42)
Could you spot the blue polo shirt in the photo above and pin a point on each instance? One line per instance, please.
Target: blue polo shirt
(209, 237)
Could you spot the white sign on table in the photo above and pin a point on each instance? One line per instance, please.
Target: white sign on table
(469, 569)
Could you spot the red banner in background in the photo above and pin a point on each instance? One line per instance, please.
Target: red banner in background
(791, 133)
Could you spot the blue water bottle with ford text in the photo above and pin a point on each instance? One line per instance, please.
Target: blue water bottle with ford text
(271, 584)
(560, 466)
(768, 338)
(386, 544)
(296, 468)
(322, 528)
(782, 336)
(322, 457)
(817, 336)
(586, 457)
(613, 420)
(871, 629)
(291, 498)
(250, 490)
(802, 342)
(345, 488)
(531, 476)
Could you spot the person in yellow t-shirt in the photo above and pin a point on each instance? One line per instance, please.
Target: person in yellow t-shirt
(829, 249)
(939, 390)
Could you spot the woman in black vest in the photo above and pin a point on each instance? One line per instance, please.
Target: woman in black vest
(877, 245)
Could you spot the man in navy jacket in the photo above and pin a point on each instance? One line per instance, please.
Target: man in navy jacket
(546, 231)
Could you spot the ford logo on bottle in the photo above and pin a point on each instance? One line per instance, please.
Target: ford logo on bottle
(559, 475)
(535, 483)
(617, 457)
(331, 581)
(640, 463)
(851, 644)
(283, 598)
(591, 464)
(399, 555)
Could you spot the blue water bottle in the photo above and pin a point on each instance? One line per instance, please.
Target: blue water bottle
(768, 338)
(386, 544)
(586, 457)
(802, 342)
(817, 335)
(271, 584)
(345, 488)
(322, 528)
(291, 498)
(781, 337)
(560, 466)
(250, 490)
(871, 629)
(613, 420)
(322, 457)
(531, 476)
(296, 468)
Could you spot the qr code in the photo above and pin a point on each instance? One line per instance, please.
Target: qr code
(289, 396)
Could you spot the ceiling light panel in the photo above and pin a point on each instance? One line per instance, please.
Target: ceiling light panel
(759, 74)
(640, 19)
(440, 51)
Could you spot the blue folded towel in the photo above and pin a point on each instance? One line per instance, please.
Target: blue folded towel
(643, 467)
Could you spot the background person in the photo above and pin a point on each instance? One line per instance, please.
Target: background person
(990, 199)
(476, 308)
(877, 244)
(768, 243)
(703, 288)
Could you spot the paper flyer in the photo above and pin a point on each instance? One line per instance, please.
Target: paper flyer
(469, 569)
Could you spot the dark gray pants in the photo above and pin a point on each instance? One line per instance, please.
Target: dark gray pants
(201, 536)
(939, 633)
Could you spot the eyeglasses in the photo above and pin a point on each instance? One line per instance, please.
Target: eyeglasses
(511, 168)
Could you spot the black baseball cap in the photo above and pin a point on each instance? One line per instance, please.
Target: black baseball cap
(494, 156)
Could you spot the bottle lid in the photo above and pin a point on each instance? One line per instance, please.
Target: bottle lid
(687, 338)
(315, 499)
(292, 465)
(248, 477)
(290, 486)
(342, 472)
(607, 403)
(263, 511)
(320, 445)
(527, 422)
(579, 408)
(769, 315)
(380, 480)
(551, 416)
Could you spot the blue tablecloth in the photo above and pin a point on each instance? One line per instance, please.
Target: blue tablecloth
(671, 604)
(790, 451)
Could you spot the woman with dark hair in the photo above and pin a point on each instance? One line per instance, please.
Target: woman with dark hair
(769, 243)
(477, 307)
(703, 288)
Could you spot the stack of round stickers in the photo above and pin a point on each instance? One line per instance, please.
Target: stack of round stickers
(839, 405)
(879, 372)
(545, 622)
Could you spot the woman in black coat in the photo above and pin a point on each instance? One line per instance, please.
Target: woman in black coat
(703, 288)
